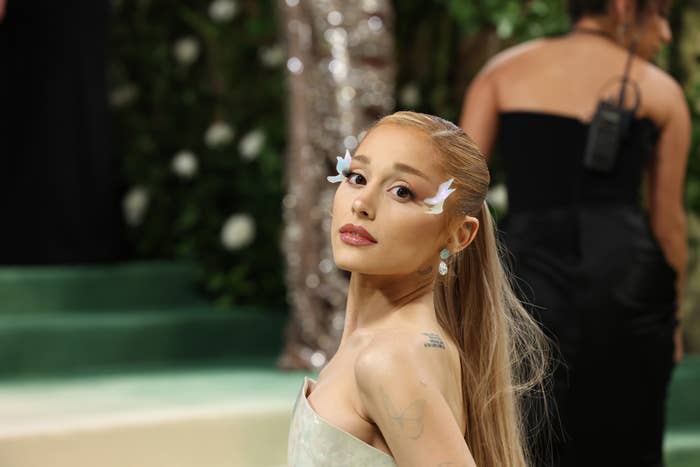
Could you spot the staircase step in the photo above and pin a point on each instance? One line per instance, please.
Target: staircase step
(213, 416)
(683, 407)
(36, 344)
(91, 288)
(188, 418)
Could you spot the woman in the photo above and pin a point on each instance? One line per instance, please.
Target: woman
(435, 349)
(597, 268)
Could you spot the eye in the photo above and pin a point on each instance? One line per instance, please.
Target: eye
(402, 192)
(356, 179)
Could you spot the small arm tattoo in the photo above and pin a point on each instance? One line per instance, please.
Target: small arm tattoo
(434, 340)
(409, 420)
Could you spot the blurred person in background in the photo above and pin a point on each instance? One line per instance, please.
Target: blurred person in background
(594, 140)
(59, 173)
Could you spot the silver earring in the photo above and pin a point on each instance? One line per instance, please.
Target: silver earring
(444, 254)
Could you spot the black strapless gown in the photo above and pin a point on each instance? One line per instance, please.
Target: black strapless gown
(590, 270)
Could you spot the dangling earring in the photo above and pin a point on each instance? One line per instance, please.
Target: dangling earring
(444, 254)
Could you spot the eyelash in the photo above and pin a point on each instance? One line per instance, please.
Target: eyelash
(410, 196)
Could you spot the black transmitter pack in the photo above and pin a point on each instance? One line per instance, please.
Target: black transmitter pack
(607, 130)
(611, 123)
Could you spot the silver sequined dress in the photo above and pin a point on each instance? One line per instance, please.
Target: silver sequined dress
(313, 442)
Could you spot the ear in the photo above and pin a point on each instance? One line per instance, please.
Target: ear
(464, 233)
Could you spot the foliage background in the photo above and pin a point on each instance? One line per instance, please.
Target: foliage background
(164, 105)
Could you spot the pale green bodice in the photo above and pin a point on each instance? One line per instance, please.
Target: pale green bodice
(313, 442)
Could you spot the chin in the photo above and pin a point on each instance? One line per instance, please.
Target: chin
(346, 261)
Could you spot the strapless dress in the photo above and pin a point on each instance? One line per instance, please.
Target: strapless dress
(313, 442)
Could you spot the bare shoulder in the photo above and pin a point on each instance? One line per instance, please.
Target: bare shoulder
(414, 354)
(513, 56)
(399, 384)
(661, 92)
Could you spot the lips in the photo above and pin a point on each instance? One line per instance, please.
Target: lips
(356, 235)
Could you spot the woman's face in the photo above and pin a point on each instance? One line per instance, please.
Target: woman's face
(653, 31)
(393, 170)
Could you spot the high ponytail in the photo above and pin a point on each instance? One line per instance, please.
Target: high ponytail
(503, 352)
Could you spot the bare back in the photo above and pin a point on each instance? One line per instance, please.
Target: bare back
(562, 76)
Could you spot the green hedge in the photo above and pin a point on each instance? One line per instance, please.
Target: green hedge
(199, 100)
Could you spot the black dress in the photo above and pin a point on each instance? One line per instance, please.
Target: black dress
(590, 270)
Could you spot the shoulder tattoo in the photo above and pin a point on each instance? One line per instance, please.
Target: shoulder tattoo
(434, 340)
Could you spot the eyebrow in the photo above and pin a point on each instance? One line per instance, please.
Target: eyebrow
(398, 166)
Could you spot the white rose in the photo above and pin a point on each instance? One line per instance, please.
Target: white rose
(185, 164)
(222, 11)
(251, 144)
(410, 95)
(272, 56)
(218, 134)
(238, 231)
(123, 95)
(186, 50)
(135, 204)
(498, 197)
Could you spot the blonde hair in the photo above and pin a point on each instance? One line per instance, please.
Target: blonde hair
(503, 352)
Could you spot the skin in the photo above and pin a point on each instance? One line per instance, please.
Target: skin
(394, 382)
(539, 76)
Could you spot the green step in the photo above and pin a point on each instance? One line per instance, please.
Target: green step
(121, 286)
(256, 385)
(40, 344)
(683, 407)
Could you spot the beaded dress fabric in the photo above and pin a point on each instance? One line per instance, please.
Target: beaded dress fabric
(313, 442)
(340, 71)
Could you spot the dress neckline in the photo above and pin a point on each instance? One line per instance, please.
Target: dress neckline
(565, 117)
(304, 395)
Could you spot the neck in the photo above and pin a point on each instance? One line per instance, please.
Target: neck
(384, 301)
(599, 25)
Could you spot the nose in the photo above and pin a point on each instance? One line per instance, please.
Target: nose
(362, 209)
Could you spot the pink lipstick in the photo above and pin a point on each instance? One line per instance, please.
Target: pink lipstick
(356, 235)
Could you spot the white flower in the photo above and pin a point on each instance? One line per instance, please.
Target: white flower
(410, 95)
(238, 231)
(251, 144)
(186, 50)
(498, 197)
(184, 164)
(218, 134)
(135, 204)
(123, 95)
(272, 56)
(222, 11)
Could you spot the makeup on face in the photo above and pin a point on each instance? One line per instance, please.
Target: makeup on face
(379, 223)
(404, 190)
(356, 235)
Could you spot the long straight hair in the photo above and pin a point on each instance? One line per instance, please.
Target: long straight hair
(503, 352)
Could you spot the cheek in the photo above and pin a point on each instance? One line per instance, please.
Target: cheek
(341, 204)
(414, 238)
